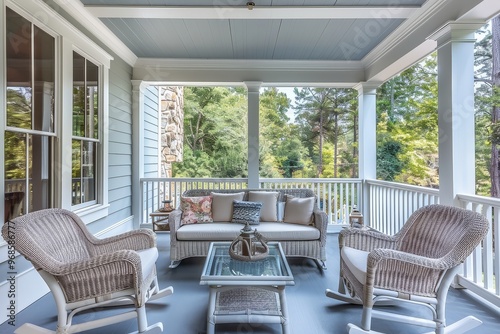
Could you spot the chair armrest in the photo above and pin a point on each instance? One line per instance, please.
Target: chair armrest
(366, 240)
(132, 240)
(102, 275)
(127, 258)
(405, 272)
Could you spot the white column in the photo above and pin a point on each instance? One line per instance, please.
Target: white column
(253, 133)
(138, 87)
(367, 125)
(456, 110)
(3, 97)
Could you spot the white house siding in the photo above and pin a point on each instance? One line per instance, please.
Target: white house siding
(120, 148)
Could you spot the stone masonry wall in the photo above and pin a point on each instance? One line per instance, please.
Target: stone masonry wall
(172, 125)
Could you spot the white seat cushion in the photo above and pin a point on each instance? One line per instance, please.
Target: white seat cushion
(148, 259)
(273, 231)
(356, 261)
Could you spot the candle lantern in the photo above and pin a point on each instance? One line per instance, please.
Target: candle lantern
(167, 206)
(356, 218)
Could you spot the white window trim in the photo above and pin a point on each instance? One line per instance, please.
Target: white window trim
(69, 39)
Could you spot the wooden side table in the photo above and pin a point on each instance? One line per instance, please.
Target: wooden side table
(160, 221)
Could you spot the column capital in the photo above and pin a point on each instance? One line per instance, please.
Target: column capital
(253, 86)
(456, 32)
(367, 88)
(138, 85)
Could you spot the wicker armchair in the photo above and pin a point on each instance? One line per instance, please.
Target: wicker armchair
(416, 265)
(84, 272)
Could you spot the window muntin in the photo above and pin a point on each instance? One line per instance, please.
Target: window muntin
(86, 114)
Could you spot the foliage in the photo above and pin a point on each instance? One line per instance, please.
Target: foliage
(407, 126)
(323, 141)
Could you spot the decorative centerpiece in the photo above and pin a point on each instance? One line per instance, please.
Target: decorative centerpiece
(250, 245)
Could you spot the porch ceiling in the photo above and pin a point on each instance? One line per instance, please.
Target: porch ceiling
(340, 42)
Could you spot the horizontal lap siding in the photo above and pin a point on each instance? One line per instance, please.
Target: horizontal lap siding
(120, 144)
(151, 122)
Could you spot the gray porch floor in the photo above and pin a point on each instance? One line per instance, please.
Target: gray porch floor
(310, 310)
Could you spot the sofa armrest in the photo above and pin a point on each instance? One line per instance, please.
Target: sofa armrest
(174, 222)
(321, 223)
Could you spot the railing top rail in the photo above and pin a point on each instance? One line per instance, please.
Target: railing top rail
(396, 185)
(315, 180)
(191, 179)
(479, 199)
(281, 180)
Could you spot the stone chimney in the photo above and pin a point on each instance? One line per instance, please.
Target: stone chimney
(172, 127)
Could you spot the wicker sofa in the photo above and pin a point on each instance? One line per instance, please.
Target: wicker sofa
(298, 239)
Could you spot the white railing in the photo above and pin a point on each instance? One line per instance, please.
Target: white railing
(391, 203)
(156, 190)
(481, 271)
(335, 196)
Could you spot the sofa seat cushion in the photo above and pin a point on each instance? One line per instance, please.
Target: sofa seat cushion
(274, 231)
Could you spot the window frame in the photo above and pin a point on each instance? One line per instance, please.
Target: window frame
(99, 158)
(67, 40)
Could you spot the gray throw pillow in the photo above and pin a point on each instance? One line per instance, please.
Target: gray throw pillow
(244, 212)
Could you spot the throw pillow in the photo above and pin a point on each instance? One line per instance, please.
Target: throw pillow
(299, 210)
(269, 200)
(196, 209)
(244, 212)
(222, 205)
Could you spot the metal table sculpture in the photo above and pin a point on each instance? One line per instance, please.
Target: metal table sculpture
(250, 245)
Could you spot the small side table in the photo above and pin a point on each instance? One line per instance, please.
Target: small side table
(160, 221)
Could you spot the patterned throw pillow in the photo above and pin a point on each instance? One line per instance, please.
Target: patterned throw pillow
(244, 212)
(196, 209)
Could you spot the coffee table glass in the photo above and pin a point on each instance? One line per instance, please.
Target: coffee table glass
(246, 291)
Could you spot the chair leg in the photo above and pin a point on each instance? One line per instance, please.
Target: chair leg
(366, 318)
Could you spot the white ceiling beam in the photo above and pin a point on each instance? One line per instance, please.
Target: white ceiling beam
(242, 13)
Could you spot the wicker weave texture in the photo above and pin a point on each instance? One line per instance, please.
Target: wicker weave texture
(315, 249)
(57, 241)
(436, 238)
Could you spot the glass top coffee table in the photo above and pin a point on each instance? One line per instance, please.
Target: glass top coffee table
(246, 291)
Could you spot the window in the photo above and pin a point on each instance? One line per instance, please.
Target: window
(29, 132)
(85, 137)
(55, 107)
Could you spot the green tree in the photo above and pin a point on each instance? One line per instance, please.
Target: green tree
(325, 115)
(407, 141)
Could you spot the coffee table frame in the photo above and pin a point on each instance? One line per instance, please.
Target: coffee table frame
(220, 281)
